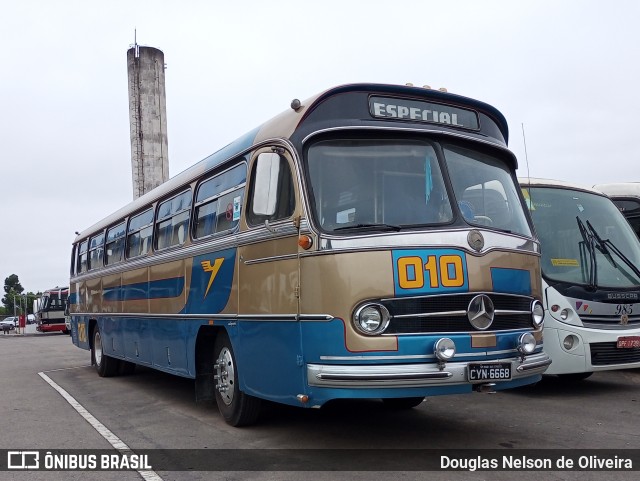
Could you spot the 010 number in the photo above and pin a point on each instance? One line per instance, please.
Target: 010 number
(443, 271)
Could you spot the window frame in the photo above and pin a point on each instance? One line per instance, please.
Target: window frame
(130, 232)
(172, 215)
(198, 204)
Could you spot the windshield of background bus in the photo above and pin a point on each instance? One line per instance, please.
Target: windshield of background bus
(400, 183)
(564, 252)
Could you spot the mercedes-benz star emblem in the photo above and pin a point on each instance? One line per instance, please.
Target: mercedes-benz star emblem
(480, 312)
(475, 240)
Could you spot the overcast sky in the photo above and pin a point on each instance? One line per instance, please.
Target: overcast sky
(567, 70)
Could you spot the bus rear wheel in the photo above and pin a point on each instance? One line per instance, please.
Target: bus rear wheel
(236, 407)
(105, 365)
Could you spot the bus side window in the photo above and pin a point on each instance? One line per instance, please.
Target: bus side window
(82, 257)
(272, 192)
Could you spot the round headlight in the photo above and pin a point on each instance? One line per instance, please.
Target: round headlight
(371, 318)
(569, 342)
(526, 343)
(444, 349)
(537, 313)
(564, 314)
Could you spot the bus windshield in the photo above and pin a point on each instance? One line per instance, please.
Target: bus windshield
(585, 240)
(385, 185)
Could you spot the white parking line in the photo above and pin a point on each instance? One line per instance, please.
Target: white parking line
(114, 440)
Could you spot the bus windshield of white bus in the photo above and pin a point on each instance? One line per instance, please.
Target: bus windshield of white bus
(585, 240)
(360, 184)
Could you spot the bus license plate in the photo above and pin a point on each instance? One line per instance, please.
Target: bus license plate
(628, 342)
(497, 371)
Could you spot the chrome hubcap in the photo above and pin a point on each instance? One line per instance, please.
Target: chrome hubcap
(97, 348)
(225, 375)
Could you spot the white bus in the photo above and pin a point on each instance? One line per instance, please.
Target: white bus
(591, 280)
(625, 195)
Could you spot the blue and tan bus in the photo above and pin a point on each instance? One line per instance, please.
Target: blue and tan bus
(369, 242)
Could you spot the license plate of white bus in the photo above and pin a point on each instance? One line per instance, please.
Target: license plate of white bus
(494, 371)
(628, 342)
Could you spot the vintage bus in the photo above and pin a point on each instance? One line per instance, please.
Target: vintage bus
(591, 281)
(50, 310)
(369, 242)
(626, 196)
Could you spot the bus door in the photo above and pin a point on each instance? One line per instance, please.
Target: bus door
(268, 272)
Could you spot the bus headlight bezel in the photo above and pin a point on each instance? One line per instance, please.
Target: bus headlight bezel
(444, 349)
(371, 318)
(537, 314)
(526, 343)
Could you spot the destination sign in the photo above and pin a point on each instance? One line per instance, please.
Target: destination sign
(420, 111)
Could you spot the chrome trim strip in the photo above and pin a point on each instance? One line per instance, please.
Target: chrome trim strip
(455, 238)
(431, 314)
(427, 130)
(438, 296)
(455, 313)
(453, 333)
(367, 376)
(235, 317)
(612, 326)
(414, 375)
(270, 259)
(420, 356)
(534, 365)
(506, 312)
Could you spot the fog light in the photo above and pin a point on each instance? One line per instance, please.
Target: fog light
(526, 343)
(569, 342)
(371, 319)
(564, 314)
(444, 349)
(537, 313)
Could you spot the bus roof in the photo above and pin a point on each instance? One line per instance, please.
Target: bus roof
(538, 182)
(303, 113)
(620, 189)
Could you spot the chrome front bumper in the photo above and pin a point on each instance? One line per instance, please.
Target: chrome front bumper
(416, 375)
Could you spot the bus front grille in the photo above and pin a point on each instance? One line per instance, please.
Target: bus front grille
(607, 353)
(448, 313)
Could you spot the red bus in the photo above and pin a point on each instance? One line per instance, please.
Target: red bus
(50, 313)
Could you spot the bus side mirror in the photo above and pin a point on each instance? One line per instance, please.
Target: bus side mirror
(266, 184)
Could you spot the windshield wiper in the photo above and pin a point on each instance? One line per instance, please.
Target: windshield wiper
(588, 244)
(364, 226)
(605, 244)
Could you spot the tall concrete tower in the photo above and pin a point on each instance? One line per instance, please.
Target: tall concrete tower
(147, 118)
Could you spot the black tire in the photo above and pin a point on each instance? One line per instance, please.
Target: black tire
(236, 407)
(105, 366)
(402, 402)
(575, 376)
(126, 368)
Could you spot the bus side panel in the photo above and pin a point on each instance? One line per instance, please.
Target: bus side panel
(94, 294)
(138, 346)
(269, 358)
(169, 345)
(112, 293)
(135, 291)
(209, 283)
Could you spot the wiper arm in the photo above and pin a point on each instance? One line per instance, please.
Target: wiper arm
(364, 226)
(605, 244)
(587, 244)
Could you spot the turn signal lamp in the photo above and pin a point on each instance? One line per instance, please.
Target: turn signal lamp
(305, 241)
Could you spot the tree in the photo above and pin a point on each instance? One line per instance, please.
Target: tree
(13, 294)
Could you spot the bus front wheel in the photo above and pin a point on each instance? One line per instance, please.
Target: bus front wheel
(236, 407)
(105, 365)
